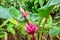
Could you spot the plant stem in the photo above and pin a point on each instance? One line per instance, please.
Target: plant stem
(43, 27)
(5, 36)
(36, 36)
(44, 38)
(39, 27)
(28, 37)
(51, 37)
(33, 37)
(58, 37)
(39, 23)
(26, 20)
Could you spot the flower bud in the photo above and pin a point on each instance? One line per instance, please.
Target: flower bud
(24, 14)
(31, 28)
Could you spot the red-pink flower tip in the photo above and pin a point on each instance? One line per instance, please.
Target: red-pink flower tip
(24, 14)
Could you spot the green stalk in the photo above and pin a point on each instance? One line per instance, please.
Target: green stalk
(39, 23)
(28, 37)
(6, 38)
(39, 27)
(51, 37)
(58, 37)
(36, 35)
(43, 27)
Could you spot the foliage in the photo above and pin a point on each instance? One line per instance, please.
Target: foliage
(38, 9)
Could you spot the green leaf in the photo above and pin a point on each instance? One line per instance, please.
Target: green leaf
(49, 21)
(13, 21)
(2, 34)
(23, 31)
(53, 32)
(41, 2)
(9, 25)
(53, 2)
(31, 1)
(9, 13)
(36, 1)
(14, 13)
(4, 13)
(4, 23)
(45, 10)
(34, 17)
(10, 29)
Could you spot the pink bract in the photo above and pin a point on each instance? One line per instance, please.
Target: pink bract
(31, 28)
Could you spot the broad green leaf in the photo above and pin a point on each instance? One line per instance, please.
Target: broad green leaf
(53, 2)
(10, 29)
(4, 13)
(54, 31)
(45, 10)
(14, 13)
(41, 2)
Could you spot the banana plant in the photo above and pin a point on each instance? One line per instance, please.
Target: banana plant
(40, 15)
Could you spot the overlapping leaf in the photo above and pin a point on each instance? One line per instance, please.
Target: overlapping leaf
(9, 13)
(54, 31)
(41, 2)
(45, 10)
(4, 13)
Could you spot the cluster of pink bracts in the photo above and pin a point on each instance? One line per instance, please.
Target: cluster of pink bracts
(30, 27)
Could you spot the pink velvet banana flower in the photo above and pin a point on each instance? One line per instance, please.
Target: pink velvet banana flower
(30, 27)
